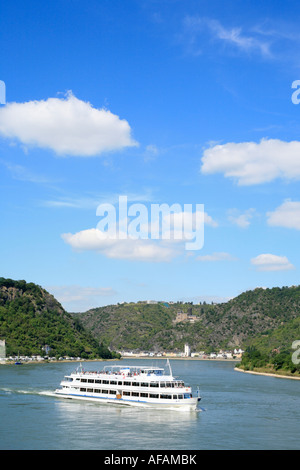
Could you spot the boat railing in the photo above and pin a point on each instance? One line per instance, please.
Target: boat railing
(128, 371)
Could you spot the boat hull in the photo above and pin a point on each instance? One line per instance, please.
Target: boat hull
(185, 405)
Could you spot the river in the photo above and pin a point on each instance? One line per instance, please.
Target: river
(237, 412)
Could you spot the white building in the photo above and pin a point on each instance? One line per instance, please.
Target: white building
(238, 351)
(187, 350)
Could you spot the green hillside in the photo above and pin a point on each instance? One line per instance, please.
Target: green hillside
(252, 315)
(31, 318)
(273, 352)
(140, 326)
(264, 322)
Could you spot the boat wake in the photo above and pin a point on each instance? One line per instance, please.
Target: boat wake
(48, 393)
(6, 390)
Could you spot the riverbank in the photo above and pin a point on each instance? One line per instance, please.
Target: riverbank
(183, 358)
(123, 358)
(268, 374)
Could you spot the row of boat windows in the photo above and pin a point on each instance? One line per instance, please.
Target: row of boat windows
(132, 384)
(138, 394)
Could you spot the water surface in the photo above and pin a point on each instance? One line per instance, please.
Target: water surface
(239, 411)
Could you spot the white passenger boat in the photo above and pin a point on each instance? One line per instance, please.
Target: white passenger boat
(129, 385)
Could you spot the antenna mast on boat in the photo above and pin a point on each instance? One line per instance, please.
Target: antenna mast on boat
(170, 370)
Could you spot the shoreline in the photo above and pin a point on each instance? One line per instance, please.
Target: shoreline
(184, 358)
(123, 358)
(267, 374)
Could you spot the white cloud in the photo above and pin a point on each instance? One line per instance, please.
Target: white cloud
(242, 220)
(139, 250)
(254, 163)
(235, 37)
(67, 126)
(218, 256)
(287, 215)
(159, 239)
(179, 219)
(208, 220)
(269, 262)
(91, 201)
(151, 152)
(77, 298)
(21, 173)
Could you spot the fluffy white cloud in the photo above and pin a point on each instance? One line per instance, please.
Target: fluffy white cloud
(253, 163)
(269, 262)
(287, 215)
(68, 126)
(139, 250)
(140, 239)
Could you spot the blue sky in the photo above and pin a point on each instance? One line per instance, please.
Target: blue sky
(168, 101)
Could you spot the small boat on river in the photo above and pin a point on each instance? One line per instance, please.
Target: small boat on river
(18, 361)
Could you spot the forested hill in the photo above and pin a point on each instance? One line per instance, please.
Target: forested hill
(251, 316)
(31, 318)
